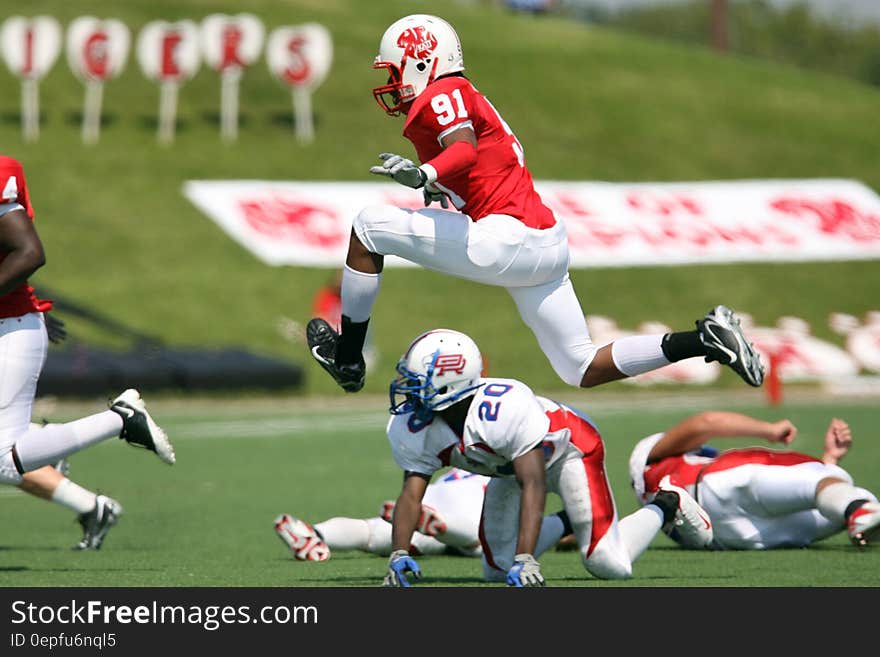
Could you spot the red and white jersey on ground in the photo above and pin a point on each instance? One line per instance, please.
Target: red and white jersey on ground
(14, 195)
(499, 182)
(506, 420)
(686, 470)
(757, 498)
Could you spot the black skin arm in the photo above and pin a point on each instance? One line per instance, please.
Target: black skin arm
(408, 509)
(25, 255)
(531, 475)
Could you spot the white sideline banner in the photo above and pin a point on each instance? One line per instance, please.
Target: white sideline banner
(608, 224)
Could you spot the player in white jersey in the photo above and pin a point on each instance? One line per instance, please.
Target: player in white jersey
(445, 414)
(758, 498)
(448, 524)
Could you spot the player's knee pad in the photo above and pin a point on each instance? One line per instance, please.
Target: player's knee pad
(493, 574)
(607, 564)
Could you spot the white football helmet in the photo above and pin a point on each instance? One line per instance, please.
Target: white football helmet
(416, 50)
(439, 368)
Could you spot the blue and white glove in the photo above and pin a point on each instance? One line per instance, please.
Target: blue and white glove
(525, 571)
(401, 170)
(431, 194)
(399, 564)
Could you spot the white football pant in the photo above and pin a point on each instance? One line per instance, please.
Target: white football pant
(607, 547)
(756, 506)
(531, 264)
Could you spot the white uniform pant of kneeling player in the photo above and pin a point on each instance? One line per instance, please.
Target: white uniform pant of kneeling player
(608, 546)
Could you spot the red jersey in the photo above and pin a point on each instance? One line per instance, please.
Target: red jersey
(13, 189)
(499, 182)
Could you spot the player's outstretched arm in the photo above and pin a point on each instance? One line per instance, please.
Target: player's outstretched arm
(403, 523)
(697, 429)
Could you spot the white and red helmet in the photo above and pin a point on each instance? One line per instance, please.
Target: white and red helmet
(415, 50)
(440, 368)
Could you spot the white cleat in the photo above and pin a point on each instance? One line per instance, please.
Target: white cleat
(138, 428)
(301, 538)
(97, 522)
(863, 525)
(691, 526)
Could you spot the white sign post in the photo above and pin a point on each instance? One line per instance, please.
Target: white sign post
(30, 47)
(170, 54)
(300, 57)
(96, 52)
(229, 45)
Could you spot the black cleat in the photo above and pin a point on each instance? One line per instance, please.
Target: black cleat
(322, 341)
(725, 342)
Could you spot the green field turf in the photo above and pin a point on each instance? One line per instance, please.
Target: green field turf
(588, 103)
(207, 521)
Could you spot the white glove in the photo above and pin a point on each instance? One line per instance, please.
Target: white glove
(525, 571)
(401, 169)
(399, 564)
(431, 194)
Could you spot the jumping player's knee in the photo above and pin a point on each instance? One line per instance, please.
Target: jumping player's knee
(367, 218)
(574, 368)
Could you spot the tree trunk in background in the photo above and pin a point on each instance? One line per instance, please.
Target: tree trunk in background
(719, 25)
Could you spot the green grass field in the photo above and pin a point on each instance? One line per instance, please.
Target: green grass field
(587, 103)
(207, 520)
(608, 106)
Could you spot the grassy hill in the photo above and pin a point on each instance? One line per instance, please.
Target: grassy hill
(587, 103)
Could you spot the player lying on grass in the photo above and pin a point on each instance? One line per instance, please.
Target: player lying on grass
(444, 413)
(448, 524)
(758, 498)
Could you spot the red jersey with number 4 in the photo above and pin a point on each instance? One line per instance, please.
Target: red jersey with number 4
(13, 189)
(499, 182)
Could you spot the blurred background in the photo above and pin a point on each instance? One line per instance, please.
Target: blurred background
(629, 91)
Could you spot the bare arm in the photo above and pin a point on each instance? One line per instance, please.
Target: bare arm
(19, 240)
(531, 475)
(838, 439)
(696, 430)
(407, 510)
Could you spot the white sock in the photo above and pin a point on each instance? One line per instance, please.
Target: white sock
(359, 292)
(346, 533)
(834, 498)
(74, 497)
(637, 354)
(639, 528)
(44, 445)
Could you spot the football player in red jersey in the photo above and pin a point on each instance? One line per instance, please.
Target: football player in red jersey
(499, 233)
(26, 447)
(758, 498)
